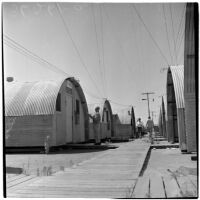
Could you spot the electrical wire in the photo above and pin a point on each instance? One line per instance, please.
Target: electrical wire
(166, 28)
(150, 34)
(119, 103)
(119, 43)
(27, 53)
(75, 46)
(136, 42)
(103, 54)
(24, 51)
(175, 53)
(181, 23)
(98, 49)
(15, 45)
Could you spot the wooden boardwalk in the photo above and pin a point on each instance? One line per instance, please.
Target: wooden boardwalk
(165, 186)
(109, 175)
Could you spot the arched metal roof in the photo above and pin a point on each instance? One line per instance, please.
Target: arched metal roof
(125, 115)
(101, 104)
(177, 73)
(34, 98)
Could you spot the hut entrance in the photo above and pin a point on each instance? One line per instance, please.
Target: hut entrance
(172, 112)
(69, 115)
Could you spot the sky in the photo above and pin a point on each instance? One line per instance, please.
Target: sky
(116, 50)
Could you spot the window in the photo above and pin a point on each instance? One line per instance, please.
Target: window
(108, 121)
(77, 107)
(58, 102)
(77, 112)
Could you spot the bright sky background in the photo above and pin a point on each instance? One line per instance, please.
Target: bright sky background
(105, 46)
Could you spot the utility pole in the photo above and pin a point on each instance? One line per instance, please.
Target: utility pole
(148, 93)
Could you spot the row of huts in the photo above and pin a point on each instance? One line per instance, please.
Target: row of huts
(58, 109)
(178, 124)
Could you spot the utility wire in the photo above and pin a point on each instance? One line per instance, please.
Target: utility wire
(175, 53)
(118, 42)
(15, 45)
(91, 94)
(180, 24)
(98, 49)
(150, 34)
(181, 42)
(167, 32)
(136, 42)
(119, 103)
(103, 54)
(75, 46)
(27, 53)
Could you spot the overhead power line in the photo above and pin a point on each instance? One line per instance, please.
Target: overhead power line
(27, 53)
(119, 43)
(166, 28)
(150, 34)
(181, 25)
(103, 54)
(175, 53)
(18, 47)
(119, 104)
(98, 48)
(75, 46)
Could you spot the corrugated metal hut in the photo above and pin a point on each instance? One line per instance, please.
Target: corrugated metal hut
(176, 106)
(190, 70)
(106, 126)
(35, 110)
(124, 123)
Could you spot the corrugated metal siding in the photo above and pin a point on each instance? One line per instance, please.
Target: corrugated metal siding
(101, 104)
(31, 98)
(190, 68)
(104, 132)
(178, 81)
(124, 117)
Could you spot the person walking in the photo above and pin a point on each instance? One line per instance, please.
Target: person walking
(149, 127)
(139, 125)
(96, 125)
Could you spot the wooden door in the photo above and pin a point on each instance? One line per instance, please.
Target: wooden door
(69, 116)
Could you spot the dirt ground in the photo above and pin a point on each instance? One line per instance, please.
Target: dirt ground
(35, 163)
(170, 158)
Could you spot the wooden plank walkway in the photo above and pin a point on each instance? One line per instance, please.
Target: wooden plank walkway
(167, 186)
(109, 175)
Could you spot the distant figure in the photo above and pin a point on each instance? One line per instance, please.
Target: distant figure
(96, 125)
(46, 144)
(149, 127)
(139, 125)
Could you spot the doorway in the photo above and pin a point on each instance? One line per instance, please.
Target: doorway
(69, 116)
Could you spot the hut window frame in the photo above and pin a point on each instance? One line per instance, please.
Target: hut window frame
(77, 111)
(58, 103)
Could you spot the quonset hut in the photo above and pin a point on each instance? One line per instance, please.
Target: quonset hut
(124, 123)
(190, 72)
(106, 124)
(176, 106)
(35, 110)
